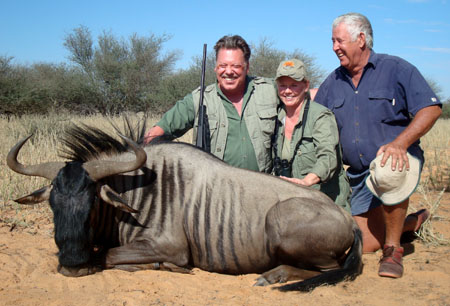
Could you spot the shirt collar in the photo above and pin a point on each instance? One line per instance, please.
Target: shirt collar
(372, 62)
(282, 113)
(373, 59)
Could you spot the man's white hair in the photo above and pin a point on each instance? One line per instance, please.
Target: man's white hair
(356, 23)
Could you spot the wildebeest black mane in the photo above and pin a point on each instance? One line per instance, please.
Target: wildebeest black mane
(83, 142)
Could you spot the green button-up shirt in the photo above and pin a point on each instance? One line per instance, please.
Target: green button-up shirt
(319, 152)
(239, 150)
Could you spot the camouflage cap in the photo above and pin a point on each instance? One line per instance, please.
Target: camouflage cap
(293, 68)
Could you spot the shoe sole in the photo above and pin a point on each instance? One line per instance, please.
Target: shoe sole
(390, 275)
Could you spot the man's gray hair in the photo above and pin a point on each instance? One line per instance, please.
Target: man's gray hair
(356, 23)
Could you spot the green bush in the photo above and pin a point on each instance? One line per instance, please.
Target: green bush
(112, 75)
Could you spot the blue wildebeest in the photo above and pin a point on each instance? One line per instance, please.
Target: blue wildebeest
(173, 207)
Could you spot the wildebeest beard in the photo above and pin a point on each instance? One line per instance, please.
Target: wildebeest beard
(71, 200)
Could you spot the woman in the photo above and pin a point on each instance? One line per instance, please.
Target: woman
(306, 145)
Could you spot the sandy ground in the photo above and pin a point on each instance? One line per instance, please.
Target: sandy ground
(28, 276)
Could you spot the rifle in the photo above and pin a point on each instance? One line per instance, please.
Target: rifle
(203, 136)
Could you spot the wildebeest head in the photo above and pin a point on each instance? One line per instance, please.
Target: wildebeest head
(72, 195)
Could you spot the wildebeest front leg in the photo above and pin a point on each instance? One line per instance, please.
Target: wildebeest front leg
(163, 266)
(140, 255)
(282, 274)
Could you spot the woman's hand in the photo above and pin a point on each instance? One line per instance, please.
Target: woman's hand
(309, 180)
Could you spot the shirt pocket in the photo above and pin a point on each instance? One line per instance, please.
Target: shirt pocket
(266, 118)
(381, 105)
(305, 158)
(212, 125)
(338, 111)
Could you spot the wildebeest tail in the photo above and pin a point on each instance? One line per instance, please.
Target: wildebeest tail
(351, 269)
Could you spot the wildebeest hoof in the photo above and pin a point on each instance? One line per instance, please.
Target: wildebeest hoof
(78, 271)
(261, 281)
(282, 274)
(167, 266)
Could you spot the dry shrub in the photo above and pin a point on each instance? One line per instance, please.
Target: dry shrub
(436, 145)
(44, 144)
(434, 180)
(431, 201)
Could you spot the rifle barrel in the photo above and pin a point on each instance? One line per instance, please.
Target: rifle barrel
(203, 130)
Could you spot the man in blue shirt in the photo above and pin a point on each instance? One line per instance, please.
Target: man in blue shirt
(382, 105)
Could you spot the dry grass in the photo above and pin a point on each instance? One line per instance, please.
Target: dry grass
(427, 233)
(431, 201)
(435, 180)
(42, 147)
(436, 145)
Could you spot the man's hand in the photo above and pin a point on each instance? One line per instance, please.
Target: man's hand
(398, 154)
(155, 131)
(419, 126)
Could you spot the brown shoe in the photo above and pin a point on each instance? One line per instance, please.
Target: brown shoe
(391, 263)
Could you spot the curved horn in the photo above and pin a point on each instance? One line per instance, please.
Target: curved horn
(47, 170)
(99, 169)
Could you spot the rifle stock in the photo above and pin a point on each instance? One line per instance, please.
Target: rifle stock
(203, 136)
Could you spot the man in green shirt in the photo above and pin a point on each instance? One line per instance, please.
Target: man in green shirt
(241, 110)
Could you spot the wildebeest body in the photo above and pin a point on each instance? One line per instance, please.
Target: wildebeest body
(183, 208)
(219, 218)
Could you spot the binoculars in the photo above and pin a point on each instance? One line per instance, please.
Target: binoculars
(282, 167)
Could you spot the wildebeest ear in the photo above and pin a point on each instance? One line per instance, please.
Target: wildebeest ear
(37, 196)
(111, 197)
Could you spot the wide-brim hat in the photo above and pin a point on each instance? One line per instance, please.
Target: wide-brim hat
(393, 187)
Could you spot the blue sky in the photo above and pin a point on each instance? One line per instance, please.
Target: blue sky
(417, 30)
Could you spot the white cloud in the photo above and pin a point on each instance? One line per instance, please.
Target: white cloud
(377, 7)
(439, 50)
(430, 49)
(415, 21)
(399, 21)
